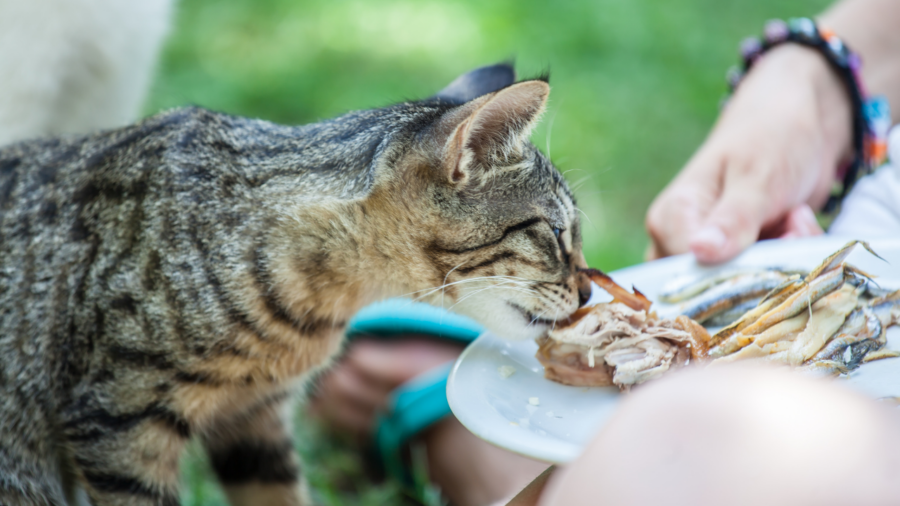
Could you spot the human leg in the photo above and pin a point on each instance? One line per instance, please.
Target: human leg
(471, 471)
(738, 436)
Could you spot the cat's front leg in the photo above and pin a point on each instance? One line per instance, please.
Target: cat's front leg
(253, 455)
(128, 458)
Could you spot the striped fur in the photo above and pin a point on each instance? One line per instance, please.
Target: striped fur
(181, 276)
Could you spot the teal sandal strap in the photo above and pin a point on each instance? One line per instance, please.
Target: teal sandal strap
(403, 316)
(422, 401)
(414, 406)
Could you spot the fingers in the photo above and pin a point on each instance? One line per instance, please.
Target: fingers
(801, 222)
(680, 210)
(351, 386)
(346, 418)
(742, 216)
(350, 395)
(396, 362)
(734, 222)
(348, 401)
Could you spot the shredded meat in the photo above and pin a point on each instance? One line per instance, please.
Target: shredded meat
(615, 344)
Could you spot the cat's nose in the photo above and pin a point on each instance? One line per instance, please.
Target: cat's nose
(584, 288)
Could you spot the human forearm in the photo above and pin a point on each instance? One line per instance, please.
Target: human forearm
(872, 29)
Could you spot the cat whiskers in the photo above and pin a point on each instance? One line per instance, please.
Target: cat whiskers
(588, 218)
(515, 286)
(429, 291)
(555, 318)
(334, 312)
(572, 170)
(530, 292)
(574, 187)
(444, 283)
(539, 315)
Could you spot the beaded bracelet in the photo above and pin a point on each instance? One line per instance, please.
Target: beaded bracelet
(871, 118)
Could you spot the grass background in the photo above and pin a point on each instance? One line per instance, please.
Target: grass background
(636, 85)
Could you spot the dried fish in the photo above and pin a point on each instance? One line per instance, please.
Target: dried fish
(784, 330)
(828, 314)
(838, 257)
(774, 298)
(729, 316)
(799, 301)
(887, 309)
(860, 325)
(792, 298)
(826, 322)
(684, 287)
(880, 354)
(731, 293)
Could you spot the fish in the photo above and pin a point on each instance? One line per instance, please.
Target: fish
(887, 308)
(880, 355)
(826, 367)
(731, 293)
(862, 324)
(830, 321)
(771, 300)
(684, 287)
(827, 316)
(799, 301)
(731, 315)
(838, 257)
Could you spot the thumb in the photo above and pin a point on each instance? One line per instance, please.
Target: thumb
(731, 226)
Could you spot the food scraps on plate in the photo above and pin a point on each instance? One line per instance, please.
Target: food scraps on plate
(831, 319)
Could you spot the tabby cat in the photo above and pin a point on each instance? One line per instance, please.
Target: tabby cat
(180, 277)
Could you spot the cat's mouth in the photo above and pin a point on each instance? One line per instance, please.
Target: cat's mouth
(530, 317)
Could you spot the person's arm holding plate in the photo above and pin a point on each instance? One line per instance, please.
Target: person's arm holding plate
(775, 151)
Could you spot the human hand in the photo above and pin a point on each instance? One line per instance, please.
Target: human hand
(349, 396)
(771, 157)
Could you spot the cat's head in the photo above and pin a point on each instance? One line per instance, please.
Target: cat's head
(494, 231)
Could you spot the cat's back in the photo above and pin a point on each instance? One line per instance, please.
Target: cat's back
(75, 212)
(90, 224)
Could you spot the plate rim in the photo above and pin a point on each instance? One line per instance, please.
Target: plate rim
(537, 452)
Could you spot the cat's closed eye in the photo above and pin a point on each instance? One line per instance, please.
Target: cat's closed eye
(561, 242)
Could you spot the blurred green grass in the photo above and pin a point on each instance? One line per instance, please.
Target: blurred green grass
(333, 467)
(636, 85)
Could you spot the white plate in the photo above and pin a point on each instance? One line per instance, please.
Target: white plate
(557, 429)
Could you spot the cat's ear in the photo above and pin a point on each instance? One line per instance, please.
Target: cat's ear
(478, 82)
(491, 128)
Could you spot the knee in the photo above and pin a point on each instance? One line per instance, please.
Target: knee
(736, 435)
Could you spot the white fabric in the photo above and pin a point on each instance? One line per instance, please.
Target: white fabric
(872, 209)
(73, 66)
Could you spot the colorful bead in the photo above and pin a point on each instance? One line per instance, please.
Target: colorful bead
(734, 76)
(751, 48)
(877, 112)
(872, 117)
(776, 31)
(804, 27)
